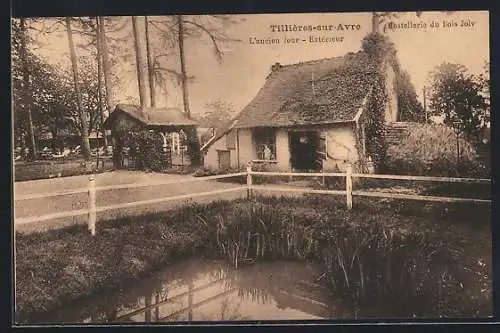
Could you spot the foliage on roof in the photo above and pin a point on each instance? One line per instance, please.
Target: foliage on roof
(315, 92)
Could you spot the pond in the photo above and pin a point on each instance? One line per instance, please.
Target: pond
(201, 290)
(206, 290)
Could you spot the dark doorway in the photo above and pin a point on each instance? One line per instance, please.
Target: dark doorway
(304, 148)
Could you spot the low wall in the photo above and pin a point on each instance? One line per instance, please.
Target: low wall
(52, 169)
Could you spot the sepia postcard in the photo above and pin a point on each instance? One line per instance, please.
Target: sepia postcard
(251, 167)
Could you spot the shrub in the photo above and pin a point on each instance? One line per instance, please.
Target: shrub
(146, 150)
(431, 149)
(193, 145)
(206, 171)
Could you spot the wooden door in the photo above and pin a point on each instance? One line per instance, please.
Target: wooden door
(224, 159)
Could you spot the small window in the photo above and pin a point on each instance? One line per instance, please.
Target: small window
(265, 143)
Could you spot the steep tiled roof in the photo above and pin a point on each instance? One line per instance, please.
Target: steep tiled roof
(152, 116)
(315, 92)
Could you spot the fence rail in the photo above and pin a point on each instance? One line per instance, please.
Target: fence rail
(92, 210)
(376, 176)
(80, 212)
(425, 178)
(417, 197)
(296, 190)
(125, 186)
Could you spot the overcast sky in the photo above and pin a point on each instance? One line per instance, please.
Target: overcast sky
(245, 66)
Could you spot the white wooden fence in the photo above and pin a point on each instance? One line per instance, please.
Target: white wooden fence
(249, 187)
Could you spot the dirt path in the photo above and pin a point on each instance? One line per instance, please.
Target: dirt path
(49, 205)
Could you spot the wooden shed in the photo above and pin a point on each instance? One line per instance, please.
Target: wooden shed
(168, 122)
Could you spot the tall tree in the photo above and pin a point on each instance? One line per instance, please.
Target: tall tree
(88, 75)
(26, 88)
(484, 81)
(50, 100)
(196, 26)
(218, 113)
(174, 31)
(95, 29)
(139, 58)
(455, 95)
(100, 96)
(83, 118)
(46, 92)
(182, 56)
(151, 75)
(106, 64)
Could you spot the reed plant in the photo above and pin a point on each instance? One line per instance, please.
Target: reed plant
(367, 254)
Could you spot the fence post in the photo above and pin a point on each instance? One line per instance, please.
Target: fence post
(91, 205)
(249, 180)
(348, 185)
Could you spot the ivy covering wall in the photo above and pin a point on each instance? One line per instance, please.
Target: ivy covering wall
(193, 146)
(381, 52)
(146, 150)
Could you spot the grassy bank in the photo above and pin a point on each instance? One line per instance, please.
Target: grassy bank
(436, 256)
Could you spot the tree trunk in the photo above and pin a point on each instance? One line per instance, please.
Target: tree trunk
(193, 141)
(84, 130)
(99, 83)
(100, 100)
(185, 96)
(152, 89)
(106, 67)
(23, 144)
(375, 23)
(139, 57)
(55, 131)
(27, 95)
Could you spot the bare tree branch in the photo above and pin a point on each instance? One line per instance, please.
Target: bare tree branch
(118, 27)
(217, 51)
(157, 27)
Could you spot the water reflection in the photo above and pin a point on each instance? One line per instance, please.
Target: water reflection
(210, 290)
